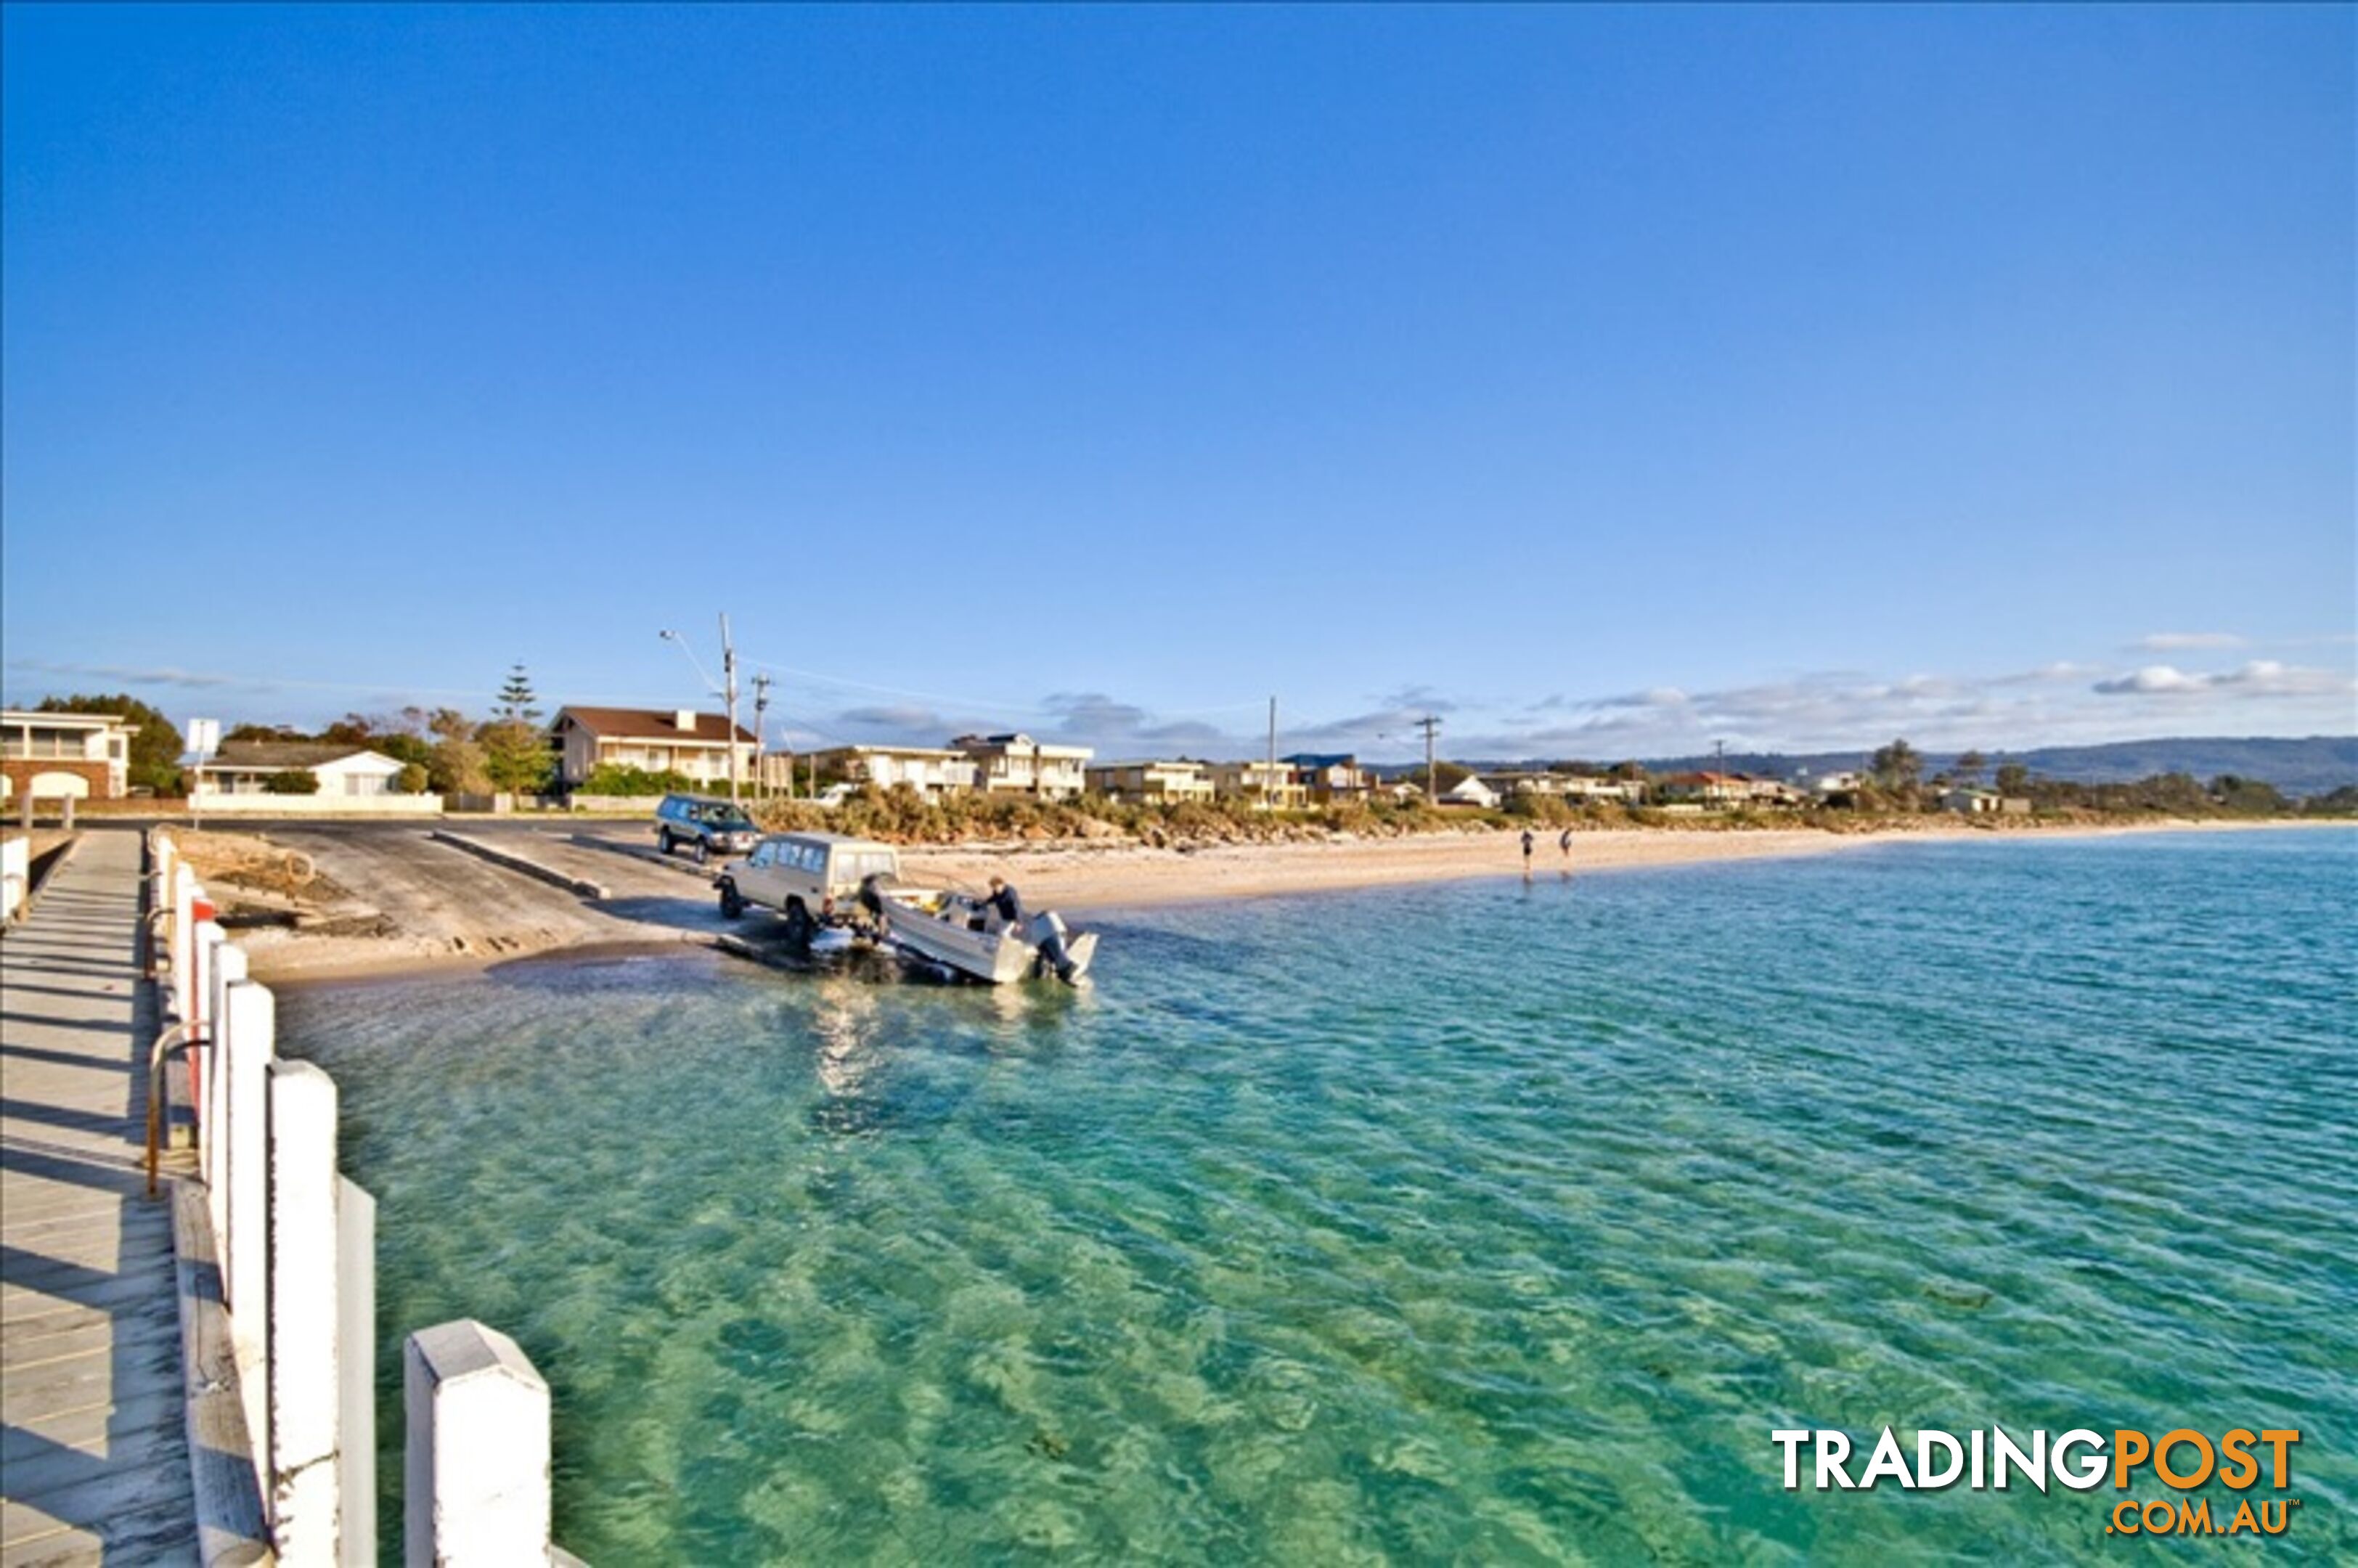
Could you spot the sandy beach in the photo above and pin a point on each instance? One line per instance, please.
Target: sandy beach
(384, 903)
(1132, 876)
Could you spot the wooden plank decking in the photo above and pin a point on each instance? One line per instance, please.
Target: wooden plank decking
(93, 1459)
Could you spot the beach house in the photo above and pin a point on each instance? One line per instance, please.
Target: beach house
(251, 767)
(1715, 792)
(1470, 791)
(1329, 776)
(1836, 786)
(1151, 782)
(932, 771)
(52, 755)
(1017, 764)
(1585, 788)
(1513, 782)
(680, 741)
(1273, 785)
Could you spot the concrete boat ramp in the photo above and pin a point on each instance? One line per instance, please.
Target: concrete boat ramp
(94, 1459)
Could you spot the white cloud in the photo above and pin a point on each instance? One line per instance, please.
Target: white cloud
(2172, 642)
(2152, 678)
(136, 675)
(2256, 678)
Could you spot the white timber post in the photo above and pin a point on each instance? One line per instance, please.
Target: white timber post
(305, 1391)
(164, 864)
(251, 1012)
(204, 951)
(475, 1470)
(212, 1111)
(356, 1369)
(183, 893)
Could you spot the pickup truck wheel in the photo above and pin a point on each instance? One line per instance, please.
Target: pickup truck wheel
(702, 850)
(799, 925)
(663, 837)
(732, 904)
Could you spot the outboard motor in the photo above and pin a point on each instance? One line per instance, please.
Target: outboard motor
(1047, 932)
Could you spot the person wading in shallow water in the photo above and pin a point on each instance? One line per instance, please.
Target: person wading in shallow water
(1527, 852)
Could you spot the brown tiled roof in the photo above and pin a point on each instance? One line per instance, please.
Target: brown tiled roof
(651, 724)
(284, 753)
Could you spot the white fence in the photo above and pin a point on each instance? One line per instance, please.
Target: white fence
(16, 878)
(212, 802)
(279, 1305)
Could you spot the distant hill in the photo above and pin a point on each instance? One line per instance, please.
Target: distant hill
(2302, 767)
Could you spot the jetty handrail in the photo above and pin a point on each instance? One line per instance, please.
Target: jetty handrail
(177, 1038)
(150, 968)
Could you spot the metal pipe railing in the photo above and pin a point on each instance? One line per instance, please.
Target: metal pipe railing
(179, 1037)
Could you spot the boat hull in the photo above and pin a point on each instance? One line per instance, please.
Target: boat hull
(937, 928)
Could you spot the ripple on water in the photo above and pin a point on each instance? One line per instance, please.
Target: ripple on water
(1473, 1223)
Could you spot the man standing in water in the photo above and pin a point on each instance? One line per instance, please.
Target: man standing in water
(1527, 852)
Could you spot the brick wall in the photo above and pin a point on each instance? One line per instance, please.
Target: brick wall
(21, 770)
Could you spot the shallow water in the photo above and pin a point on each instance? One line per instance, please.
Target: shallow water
(1484, 1222)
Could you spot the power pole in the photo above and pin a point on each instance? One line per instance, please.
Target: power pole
(760, 732)
(1431, 725)
(728, 682)
(1269, 779)
(1720, 784)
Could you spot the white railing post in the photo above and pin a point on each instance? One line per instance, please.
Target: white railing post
(356, 1367)
(183, 893)
(204, 1012)
(305, 1391)
(251, 1014)
(475, 1471)
(212, 1109)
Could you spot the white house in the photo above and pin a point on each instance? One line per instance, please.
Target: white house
(344, 772)
(931, 770)
(51, 755)
(680, 740)
(1506, 783)
(1017, 764)
(1272, 783)
(1590, 787)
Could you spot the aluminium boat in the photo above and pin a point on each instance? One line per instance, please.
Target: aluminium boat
(961, 931)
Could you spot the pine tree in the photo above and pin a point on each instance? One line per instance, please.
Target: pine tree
(516, 697)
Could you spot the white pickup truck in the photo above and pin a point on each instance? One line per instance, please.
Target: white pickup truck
(810, 878)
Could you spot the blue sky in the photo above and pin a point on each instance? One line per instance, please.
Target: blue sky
(1606, 381)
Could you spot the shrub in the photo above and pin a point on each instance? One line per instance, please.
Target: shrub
(613, 779)
(292, 781)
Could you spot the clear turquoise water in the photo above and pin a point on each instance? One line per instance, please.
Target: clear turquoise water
(1479, 1223)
